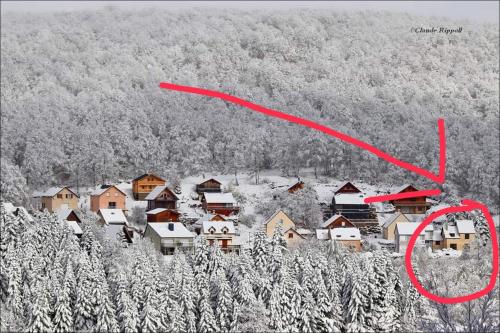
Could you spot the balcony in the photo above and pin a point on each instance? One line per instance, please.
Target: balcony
(205, 189)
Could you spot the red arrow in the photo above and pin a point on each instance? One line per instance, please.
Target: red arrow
(342, 136)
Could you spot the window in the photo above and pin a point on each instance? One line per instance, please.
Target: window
(59, 196)
(467, 236)
(68, 196)
(107, 194)
(112, 205)
(452, 234)
(224, 231)
(212, 231)
(438, 243)
(43, 205)
(343, 223)
(290, 235)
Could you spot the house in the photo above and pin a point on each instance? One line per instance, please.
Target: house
(219, 203)
(170, 236)
(415, 205)
(144, 184)
(163, 215)
(161, 197)
(223, 233)
(306, 233)
(403, 234)
(290, 233)
(278, 217)
(347, 187)
(56, 198)
(337, 221)
(68, 215)
(72, 219)
(389, 225)
(295, 187)
(348, 201)
(457, 236)
(115, 223)
(348, 237)
(198, 224)
(208, 186)
(293, 237)
(107, 197)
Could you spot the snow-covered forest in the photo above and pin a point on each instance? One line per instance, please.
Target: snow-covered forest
(81, 103)
(50, 281)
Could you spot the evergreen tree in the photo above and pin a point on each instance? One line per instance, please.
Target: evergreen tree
(40, 320)
(63, 318)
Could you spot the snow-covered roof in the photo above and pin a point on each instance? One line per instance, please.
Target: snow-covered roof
(219, 198)
(155, 192)
(54, 190)
(405, 228)
(392, 218)
(101, 190)
(218, 226)
(349, 199)
(436, 235)
(345, 234)
(63, 213)
(215, 180)
(155, 211)
(170, 230)
(401, 188)
(113, 216)
(322, 234)
(415, 217)
(276, 213)
(344, 184)
(292, 229)
(451, 232)
(73, 225)
(303, 231)
(465, 226)
(330, 220)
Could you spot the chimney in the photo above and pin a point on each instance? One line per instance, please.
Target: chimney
(171, 226)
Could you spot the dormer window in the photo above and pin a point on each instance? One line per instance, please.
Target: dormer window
(452, 234)
(352, 236)
(338, 236)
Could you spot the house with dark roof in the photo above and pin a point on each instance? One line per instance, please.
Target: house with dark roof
(144, 184)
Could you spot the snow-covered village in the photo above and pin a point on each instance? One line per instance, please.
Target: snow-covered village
(247, 166)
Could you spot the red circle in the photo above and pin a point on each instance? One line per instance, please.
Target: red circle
(468, 206)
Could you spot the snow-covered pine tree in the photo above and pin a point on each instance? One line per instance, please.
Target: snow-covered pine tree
(150, 316)
(40, 319)
(260, 251)
(223, 303)
(63, 317)
(202, 254)
(105, 314)
(206, 321)
(84, 307)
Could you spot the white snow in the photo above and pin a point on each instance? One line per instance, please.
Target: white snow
(219, 198)
(465, 226)
(349, 199)
(345, 234)
(218, 227)
(170, 230)
(155, 211)
(113, 216)
(75, 227)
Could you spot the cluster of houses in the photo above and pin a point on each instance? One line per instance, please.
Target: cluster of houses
(346, 219)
